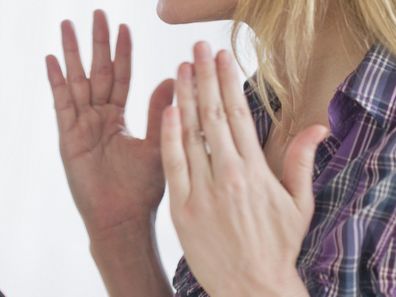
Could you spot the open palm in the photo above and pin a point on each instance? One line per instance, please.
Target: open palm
(113, 176)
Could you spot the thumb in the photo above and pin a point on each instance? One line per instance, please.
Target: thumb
(298, 166)
(160, 99)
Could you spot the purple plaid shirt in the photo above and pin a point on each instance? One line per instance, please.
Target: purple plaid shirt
(350, 248)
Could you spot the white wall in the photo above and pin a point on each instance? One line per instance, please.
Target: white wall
(43, 243)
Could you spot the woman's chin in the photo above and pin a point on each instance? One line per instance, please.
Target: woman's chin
(178, 12)
(167, 15)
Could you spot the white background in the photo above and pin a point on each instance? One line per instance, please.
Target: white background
(43, 243)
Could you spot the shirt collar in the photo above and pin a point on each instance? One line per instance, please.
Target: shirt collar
(373, 84)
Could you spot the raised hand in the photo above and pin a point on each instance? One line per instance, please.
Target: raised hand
(240, 228)
(113, 176)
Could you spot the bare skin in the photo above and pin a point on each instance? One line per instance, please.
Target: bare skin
(331, 63)
(181, 11)
(117, 180)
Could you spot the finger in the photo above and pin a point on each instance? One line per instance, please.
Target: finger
(194, 144)
(122, 67)
(79, 85)
(211, 110)
(63, 101)
(298, 166)
(237, 108)
(160, 99)
(102, 66)
(173, 157)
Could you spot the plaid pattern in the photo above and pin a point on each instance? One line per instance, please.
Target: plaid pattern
(350, 249)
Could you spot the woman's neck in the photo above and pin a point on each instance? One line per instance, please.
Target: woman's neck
(334, 56)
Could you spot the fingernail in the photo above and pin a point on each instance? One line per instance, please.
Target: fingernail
(224, 58)
(67, 25)
(97, 12)
(186, 71)
(202, 51)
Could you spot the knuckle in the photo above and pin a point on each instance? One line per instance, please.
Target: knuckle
(233, 182)
(176, 165)
(78, 79)
(238, 111)
(206, 71)
(233, 188)
(101, 41)
(214, 113)
(57, 83)
(103, 70)
(192, 136)
(196, 208)
(229, 167)
(123, 80)
(72, 49)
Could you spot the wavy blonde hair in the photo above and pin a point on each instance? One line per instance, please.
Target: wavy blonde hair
(284, 32)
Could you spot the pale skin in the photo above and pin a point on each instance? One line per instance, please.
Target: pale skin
(234, 219)
(124, 177)
(331, 63)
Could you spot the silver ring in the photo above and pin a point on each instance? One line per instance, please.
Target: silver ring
(205, 143)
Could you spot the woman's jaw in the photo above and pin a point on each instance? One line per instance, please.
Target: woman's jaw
(191, 11)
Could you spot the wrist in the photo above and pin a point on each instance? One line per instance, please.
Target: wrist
(287, 285)
(139, 230)
(108, 227)
(128, 259)
(294, 288)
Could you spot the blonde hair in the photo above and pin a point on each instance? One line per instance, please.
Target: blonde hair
(284, 32)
